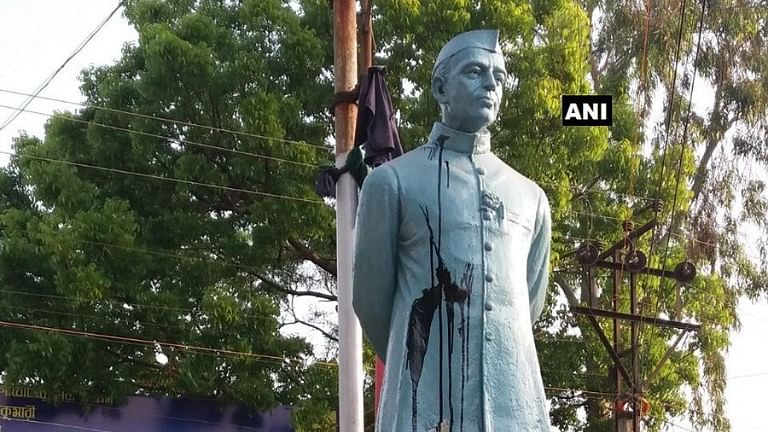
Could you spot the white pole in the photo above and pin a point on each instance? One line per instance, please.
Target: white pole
(350, 334)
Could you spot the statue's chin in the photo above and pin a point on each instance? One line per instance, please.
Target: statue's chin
(473, 127)
(470, 125)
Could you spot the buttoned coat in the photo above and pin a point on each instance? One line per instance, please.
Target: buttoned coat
(450, 273)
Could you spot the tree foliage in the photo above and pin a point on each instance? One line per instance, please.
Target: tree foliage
(107, 252)
(114, 253)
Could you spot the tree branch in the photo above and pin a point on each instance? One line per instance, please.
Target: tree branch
(135, 362)
(312, 326)
(307, 254)
(586, 189)
(567, 290)
(277, 287)
(718, 126)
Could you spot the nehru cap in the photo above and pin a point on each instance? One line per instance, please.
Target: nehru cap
(483, 39)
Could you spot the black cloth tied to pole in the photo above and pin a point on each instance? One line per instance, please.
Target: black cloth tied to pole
(375, 131)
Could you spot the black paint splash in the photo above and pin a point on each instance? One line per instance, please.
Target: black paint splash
(467, 280)
(419, 326)
(423, 309)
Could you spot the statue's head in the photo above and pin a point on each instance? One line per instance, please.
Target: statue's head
(467, 80)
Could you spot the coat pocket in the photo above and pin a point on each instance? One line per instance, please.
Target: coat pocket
(517, 222)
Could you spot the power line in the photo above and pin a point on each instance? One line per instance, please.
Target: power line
(118, 303)
(668, 122)
(168, 179)
(133, 320)
(256, 155)
(593, 392)
(115, 302)
(600, 191)
(677, 425)
(753, 375)
(172, 121)
(180, 140)
(682, 153)
(146, 342)
(619, 221)
(50, 78)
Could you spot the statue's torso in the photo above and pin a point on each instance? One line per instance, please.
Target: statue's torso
(482, 217)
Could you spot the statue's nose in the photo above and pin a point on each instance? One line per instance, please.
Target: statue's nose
(489, 81)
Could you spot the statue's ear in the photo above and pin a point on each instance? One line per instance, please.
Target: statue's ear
(438, 89)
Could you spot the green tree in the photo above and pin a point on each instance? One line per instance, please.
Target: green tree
(596, 179)
(636, 53)
(106, 252)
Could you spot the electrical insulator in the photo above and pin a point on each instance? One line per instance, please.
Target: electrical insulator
(685, 272)
(587, 254)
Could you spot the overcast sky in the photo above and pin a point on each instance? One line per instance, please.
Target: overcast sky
(36, 36)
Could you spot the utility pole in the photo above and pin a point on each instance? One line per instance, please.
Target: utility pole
(627, 262)
(365, 28)
(366, 35)
(350, 334)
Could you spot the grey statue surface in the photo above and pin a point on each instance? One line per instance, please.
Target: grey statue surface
(451, 265)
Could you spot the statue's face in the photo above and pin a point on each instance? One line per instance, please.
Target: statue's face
(470, 92)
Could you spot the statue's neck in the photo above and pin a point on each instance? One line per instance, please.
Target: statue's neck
(462, 142)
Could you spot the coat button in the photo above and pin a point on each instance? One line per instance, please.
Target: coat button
(488, 306)
(488, 336)
(488, 246)
(481, 171)
(486, 215)
(489, 278)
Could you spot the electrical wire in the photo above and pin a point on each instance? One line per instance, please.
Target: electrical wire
(752, 375)
(668, 122)
(171, 121)
(679, 164)
(685, 134)
(255, 155)
(599, 393)
(114, 302)
(641, 93)
(50, 78)
(179, 140)
(146, 342)
(677, 425)
(600, 191)
(79, 315)
(168, 179)
(131, 320)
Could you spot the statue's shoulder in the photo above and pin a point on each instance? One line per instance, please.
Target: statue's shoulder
(411, 161)
(519, 179)
(399, 173)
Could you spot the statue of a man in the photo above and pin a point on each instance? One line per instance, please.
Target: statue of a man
(451, 265)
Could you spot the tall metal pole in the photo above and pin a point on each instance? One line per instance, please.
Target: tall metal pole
(635, 353)
(616, 338)
(366, 35)
(365, 31)
(350, 334)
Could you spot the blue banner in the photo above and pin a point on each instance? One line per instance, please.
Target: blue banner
(23, 410)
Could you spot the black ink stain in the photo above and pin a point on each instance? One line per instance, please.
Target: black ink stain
(467, 279)
(420, 323)
(432, 152)
(423, 309)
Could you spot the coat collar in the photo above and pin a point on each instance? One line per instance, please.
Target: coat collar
(462, 142)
